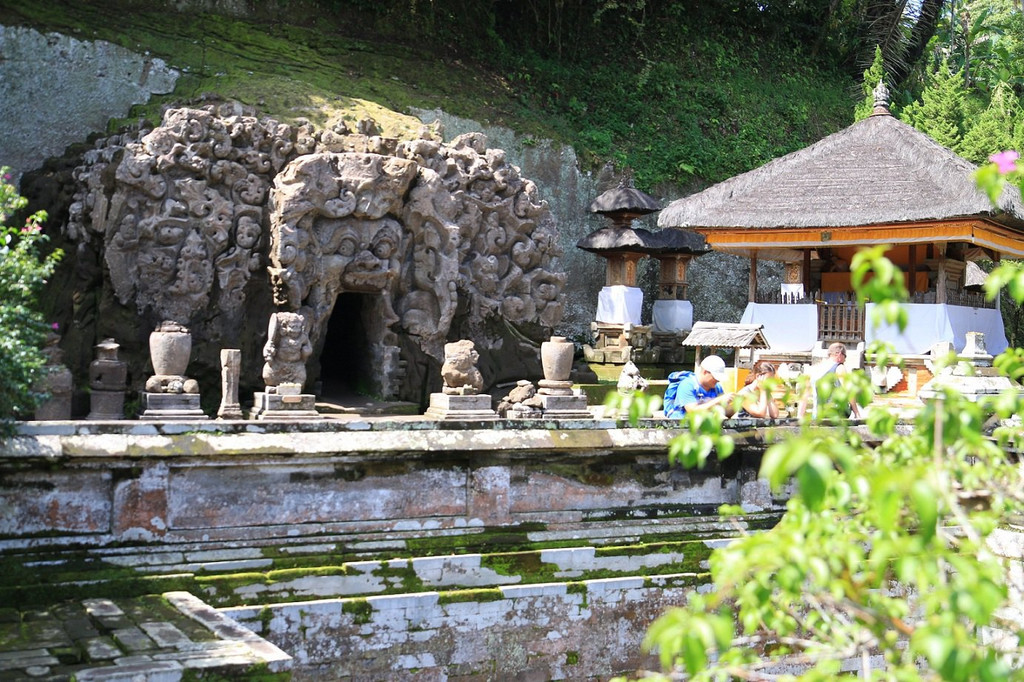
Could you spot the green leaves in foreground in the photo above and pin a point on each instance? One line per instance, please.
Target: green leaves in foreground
(883, 560)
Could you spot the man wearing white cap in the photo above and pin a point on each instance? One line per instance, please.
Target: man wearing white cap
(700, 390)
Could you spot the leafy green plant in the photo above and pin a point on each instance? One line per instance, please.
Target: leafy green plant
(23, 272)
(882, 560)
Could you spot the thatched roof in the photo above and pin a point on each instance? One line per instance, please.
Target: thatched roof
(625, 199)
(726, 335)
(639, 240)
(879, 170)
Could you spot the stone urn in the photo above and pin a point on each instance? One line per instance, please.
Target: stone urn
(556, 358)
(170, 347)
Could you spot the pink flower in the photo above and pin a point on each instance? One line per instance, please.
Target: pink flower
(55, 326)
(1006, 161)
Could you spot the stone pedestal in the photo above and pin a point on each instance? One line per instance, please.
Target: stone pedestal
(287, 406)
(105, 405)
(445, 407)
(565, 407)
(108, 377)
(559, 401)
(171, 407)
(58, 383)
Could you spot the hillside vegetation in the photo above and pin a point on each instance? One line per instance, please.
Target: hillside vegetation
(680, 97)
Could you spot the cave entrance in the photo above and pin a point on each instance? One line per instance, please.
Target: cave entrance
(346, 366)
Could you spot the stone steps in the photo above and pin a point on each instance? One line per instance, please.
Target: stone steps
(229, 576)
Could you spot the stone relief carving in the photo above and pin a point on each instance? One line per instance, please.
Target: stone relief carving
(181, 209)
(187, 217)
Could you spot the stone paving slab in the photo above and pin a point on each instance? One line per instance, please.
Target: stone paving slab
(156, 638)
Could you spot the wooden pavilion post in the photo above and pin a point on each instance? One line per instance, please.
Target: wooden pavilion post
(752, 292)
(912, 270)
(807, 272)
(940, 275)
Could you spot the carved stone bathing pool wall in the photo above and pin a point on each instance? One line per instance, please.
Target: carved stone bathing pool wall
(380, 549)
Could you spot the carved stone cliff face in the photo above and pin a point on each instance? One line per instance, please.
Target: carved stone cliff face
(216, 220)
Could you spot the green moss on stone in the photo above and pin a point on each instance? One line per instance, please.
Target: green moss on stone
(399, 576)
(572, 657)
(485, 594)
(281, 575)
(360, 610)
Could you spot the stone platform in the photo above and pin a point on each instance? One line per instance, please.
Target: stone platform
(159, 637)
(370, 548)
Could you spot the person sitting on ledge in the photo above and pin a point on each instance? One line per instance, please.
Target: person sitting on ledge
(757, 398)
(700, 390)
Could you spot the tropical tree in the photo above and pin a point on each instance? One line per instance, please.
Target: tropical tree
(994, 127)
(939, 111)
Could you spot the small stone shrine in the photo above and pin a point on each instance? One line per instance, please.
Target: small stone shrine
(56, 383)
(284, 371)
(557, 397)
(619, 334)
(108, 380)
(460, 397)
(169, 393)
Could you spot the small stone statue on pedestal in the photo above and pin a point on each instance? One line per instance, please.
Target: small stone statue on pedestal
(284, 371)
(57, 382)
(230, 368)
(169, 394)
(460, 397)
(108, 380)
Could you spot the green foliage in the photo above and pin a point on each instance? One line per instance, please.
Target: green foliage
(883, 549)
(23, 271)
(940, 111)
(994, 128)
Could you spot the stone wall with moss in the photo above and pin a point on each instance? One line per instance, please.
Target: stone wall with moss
(361, 547)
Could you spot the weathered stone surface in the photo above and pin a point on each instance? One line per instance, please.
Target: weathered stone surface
(86, 84)
(187, 216)
(532, 632)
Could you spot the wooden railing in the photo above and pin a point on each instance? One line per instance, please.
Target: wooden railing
(840, 319)
(973, 299)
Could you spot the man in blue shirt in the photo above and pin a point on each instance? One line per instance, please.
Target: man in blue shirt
(699, 390)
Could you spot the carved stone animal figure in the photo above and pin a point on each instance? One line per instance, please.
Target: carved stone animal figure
(461, 377)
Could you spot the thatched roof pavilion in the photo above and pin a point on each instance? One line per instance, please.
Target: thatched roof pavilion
(879, 181)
